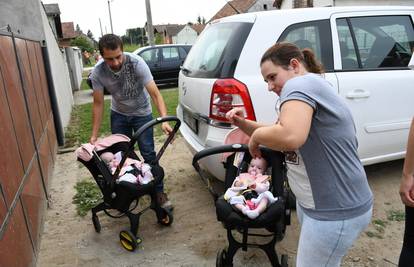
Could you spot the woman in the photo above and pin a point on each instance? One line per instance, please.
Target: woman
(316, 131)
(407, 197)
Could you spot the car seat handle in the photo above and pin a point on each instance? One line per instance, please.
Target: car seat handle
(141, 130)
(217, 150)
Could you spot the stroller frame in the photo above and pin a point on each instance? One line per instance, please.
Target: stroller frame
(232, 219)
(119, 196)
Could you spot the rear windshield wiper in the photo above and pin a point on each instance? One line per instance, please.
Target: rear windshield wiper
(185, 70)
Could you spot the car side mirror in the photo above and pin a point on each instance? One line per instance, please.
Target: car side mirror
(411, 63)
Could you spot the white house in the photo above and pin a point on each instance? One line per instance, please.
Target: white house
(188, 34)
(286, 4)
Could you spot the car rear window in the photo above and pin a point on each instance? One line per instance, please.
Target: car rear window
(217, 50)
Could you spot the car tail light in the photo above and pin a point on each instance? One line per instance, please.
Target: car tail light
(228, 94)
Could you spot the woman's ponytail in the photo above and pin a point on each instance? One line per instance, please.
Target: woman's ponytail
(281, 54)
(312, 65)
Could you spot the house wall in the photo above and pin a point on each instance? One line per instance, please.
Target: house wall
(23, 16)
(74, 61)
(259, 5)
(186, 36)
(59, 72)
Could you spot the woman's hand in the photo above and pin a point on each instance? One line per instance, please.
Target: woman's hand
(235, 116)
(254, 148)
(407, 190)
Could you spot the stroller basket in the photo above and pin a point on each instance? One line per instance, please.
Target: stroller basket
(120, 196)
(274, 219)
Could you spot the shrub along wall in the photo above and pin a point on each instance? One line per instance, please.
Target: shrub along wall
(28, 147)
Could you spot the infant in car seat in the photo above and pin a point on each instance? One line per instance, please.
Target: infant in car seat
(249, 192)
(133, 171)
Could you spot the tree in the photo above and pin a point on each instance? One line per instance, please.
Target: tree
(135, 36)
(203, 21)
(78, 29)
(199, 19)
(159, 38)
(90, 35)
(83, 43)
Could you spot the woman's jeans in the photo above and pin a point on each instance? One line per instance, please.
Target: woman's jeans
(407, 252)
(128, 125)
(324, 243)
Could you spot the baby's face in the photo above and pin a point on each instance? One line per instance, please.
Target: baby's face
(257, 166)
(111, 160)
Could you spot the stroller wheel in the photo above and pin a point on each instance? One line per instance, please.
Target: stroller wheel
(167, 218)
(221, 259)
(128, 240)
(284, 260)
(96, 223)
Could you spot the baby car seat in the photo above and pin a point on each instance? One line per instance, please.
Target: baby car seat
(274, 219)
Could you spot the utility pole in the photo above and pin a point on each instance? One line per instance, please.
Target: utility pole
(150, 28)
(110, 17)
(100, 25)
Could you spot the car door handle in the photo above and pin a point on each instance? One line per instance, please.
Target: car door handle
(358, 93)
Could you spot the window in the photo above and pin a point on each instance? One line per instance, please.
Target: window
(170, 53)
(264, 7)
(217, 50)
(150, 55)
(314, 35)
(377, 42)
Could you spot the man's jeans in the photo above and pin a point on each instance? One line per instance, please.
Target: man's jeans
(128, 125)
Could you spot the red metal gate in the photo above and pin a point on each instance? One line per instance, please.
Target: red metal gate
(27, 146)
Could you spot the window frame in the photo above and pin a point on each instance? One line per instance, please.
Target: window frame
(325, 40)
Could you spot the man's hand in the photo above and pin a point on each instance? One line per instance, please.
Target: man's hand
(166, 128)
(93, 139)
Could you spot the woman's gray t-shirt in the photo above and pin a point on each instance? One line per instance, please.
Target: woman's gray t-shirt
(326, 174)
(127, 87)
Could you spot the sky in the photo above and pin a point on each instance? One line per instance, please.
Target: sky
(132, 13)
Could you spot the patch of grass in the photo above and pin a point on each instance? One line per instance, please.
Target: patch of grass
(84, 85)
(374, 234)
(87, 196)
(396, 215)
(130, 48)
(80, 125)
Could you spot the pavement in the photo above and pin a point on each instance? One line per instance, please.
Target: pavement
(81, 97)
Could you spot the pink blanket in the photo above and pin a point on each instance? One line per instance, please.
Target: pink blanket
(84, 152)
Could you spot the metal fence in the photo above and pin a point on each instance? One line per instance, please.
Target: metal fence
(28, 147)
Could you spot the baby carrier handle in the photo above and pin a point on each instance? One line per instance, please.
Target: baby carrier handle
(142, 129)
(217, 150)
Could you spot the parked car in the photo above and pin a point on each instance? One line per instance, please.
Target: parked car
(365, 51)
(164, 61)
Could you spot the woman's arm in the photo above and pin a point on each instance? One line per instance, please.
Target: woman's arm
(289, 133)
(407, 179)
(236, 117)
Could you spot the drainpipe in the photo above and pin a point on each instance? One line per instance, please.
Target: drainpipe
(52, 94)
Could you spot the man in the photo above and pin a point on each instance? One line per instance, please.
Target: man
(128, 79)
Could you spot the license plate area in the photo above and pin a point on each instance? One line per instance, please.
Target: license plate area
(190, 121)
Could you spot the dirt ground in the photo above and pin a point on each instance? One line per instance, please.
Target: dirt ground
(195, 236)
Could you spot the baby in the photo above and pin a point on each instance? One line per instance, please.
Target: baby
(133, 171)
(249, 192)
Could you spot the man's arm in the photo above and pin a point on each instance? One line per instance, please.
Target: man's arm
(97, 112)
(159, 104)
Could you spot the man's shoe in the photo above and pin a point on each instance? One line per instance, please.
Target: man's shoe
(163, 201)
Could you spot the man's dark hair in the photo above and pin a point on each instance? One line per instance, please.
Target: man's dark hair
(111, 42)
